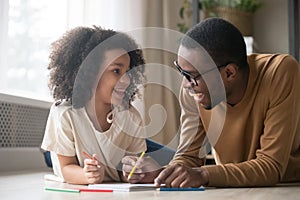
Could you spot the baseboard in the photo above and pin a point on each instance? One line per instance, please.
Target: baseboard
(16, 159)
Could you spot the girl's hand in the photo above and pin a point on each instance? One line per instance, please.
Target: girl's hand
(146, 169)
(93, 170)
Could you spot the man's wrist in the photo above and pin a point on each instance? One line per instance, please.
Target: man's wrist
(204, 176)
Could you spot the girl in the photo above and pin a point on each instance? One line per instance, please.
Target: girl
(94, 74)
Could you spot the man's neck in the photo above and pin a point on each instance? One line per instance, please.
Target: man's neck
(240, 88)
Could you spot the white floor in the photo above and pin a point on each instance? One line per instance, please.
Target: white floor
(30, 185)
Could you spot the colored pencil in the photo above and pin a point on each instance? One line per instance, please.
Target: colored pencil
(90, 157)
(134, 167)
(62, 189)
(94, 190)
(180, 189)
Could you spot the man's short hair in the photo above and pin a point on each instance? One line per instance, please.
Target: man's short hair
(222, 40)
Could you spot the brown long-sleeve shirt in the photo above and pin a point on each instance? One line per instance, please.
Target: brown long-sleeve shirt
(257, 141)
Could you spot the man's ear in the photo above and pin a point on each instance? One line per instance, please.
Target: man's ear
(230, 71)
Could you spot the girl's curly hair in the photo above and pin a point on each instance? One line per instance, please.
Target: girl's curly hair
(76, 58)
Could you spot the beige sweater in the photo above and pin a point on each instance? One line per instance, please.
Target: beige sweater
(70, 131)
(257, 141)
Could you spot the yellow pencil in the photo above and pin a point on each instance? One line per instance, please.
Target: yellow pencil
(134, 167)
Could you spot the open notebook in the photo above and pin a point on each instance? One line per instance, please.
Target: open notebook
(122, 187)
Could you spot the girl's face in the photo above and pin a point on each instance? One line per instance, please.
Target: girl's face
(114, 80)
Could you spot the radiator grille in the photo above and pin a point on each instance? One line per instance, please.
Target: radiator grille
(21, 125)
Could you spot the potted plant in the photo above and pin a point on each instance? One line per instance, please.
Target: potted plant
(238, 12)
(185, 14)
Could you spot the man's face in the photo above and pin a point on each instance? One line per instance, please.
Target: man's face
(201, 77)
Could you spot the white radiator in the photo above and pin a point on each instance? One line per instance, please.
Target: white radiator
(22, 125)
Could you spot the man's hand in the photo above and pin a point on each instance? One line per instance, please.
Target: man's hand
(146, 169)
(179, 176)
(93, 170)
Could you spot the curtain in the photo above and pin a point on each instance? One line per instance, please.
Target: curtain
(163, 14)
(160, 109)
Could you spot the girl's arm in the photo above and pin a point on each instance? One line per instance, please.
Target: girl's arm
(92, 172)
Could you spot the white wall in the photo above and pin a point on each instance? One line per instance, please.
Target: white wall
(271, 27)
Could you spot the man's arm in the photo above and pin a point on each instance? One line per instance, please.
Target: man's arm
(281, 123)
(191, 150)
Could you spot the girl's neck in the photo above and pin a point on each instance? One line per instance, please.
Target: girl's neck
(98, 115)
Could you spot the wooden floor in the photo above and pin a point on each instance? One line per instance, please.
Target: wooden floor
(30, 185)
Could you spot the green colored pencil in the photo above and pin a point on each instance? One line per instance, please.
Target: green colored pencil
(62, 189)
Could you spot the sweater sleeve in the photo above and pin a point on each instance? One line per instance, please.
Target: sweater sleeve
(276, 142)
(191, 149)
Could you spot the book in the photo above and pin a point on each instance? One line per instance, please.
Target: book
(52, 177)
(123, 187)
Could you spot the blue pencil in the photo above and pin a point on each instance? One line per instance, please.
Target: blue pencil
(180, 189)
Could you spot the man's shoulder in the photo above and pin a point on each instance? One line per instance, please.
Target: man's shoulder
(273, 62)
(266, 57)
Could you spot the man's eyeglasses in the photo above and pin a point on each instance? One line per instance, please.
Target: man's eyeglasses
(190, 77)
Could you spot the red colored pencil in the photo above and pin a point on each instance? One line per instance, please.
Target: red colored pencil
(90, 157)
(94, 190)
(87, 155)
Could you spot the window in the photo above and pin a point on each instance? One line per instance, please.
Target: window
(27, 31)
(28, 27)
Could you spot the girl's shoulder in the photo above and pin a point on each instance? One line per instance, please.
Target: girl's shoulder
(60, 106)
(126, 117)
(64, 109)
(135, 112)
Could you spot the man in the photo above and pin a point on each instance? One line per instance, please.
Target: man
(247, 106)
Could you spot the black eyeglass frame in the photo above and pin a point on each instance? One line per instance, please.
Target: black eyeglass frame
(190, 77)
